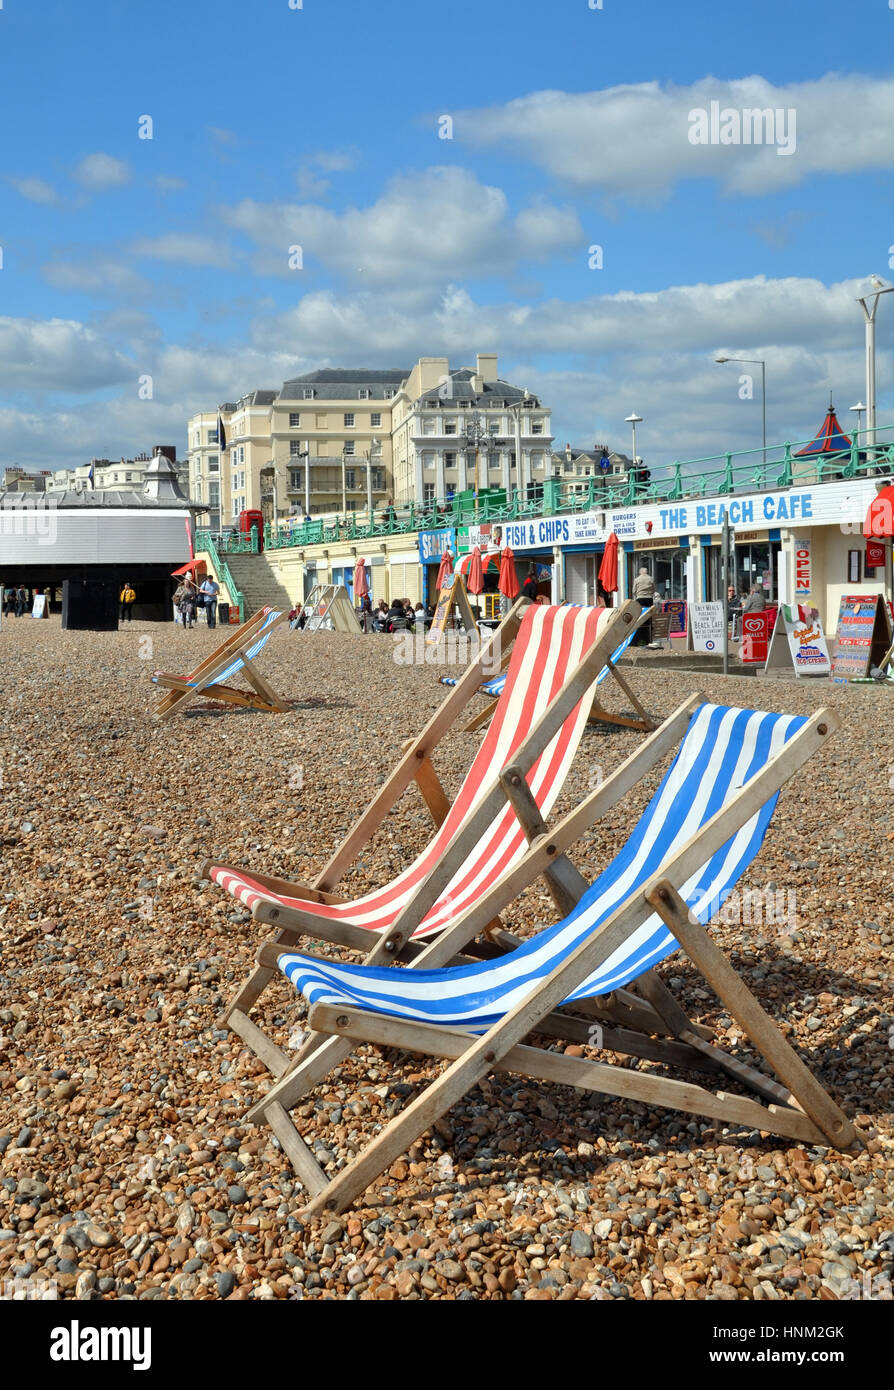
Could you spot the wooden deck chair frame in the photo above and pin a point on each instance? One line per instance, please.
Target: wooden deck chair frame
(202, 682)
(292, 924)
(799, 1108)
(598, 714)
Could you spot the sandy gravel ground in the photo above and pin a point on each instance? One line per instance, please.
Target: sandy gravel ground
(124, 1171)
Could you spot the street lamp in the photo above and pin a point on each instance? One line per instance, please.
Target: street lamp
(878, 288)
(633, 420)
(475, 431)
(374, 444)
(755, 362)
(516, 412)
(858, 410)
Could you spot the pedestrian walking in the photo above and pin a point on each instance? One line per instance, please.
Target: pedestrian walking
(127, 599)
(21, 600)
(9, 600)
(209, 591)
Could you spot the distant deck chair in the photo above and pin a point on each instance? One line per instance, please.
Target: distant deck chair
(234, 657)
(701, 831)
(493, 689)
(540, 718)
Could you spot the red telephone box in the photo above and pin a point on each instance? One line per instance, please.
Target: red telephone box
(247, 520)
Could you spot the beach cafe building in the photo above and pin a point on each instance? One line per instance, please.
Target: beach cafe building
(800, 544)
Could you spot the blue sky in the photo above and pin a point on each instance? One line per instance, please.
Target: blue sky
(125, 258)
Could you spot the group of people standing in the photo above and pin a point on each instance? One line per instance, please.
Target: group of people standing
(15, 600)
(188, 599)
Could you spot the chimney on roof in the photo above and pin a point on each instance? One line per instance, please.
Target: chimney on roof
(486, 366)
(568, 451)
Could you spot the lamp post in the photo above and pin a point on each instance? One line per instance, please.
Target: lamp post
(305, 454)
(516, 412)
(878, 288)
(858, 410)
(475, 431)
(374, 443)
(755, 362)
(633, 420)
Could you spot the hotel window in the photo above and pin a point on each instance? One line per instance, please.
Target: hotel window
(363, 393)
(450, 460)
(569, 465)
(450, 427)
(350, 478)
(349, 420)
(375, 420)
(294, 447)
(214, 494)
(242, 478)
(294, 420)
(493, 460)
(493, 426)
(379, 479)
(241, 453)
(213, 465)
(308, 393)
(349, 447)
(295, 479)
(212, 437)
(537, 427)
(429, 427)
(428, 492)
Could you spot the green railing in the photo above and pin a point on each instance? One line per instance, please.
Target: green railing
(718, 475)
(205, 540)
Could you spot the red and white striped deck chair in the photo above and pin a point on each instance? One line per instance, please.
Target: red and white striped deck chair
(536, 728)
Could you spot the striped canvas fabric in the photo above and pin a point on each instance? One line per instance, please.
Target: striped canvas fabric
(495, 687)
(257, 645)
(550, 643)
(722, 748)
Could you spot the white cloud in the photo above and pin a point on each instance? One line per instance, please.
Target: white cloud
(168, 184)
(102, 279)
(98, 172)
(592, 362)
(437, 224)
(185, 247)
(35, 190)
(634, 139)
(57, 355)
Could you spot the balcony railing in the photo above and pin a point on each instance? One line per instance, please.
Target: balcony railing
(718, 475)
(205, 540)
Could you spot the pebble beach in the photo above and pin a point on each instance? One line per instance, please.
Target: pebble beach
(125, 1172)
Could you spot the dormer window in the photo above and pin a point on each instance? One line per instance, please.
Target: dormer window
(309, 393)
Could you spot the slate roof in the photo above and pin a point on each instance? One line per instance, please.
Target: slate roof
(330, 383)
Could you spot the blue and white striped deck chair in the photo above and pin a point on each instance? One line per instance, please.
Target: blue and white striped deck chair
(234, 657)
(493, 688)
(699, 834)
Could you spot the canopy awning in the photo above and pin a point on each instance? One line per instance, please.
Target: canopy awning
(490, 563)
(879, 521)
(190, 565)
(830, 440)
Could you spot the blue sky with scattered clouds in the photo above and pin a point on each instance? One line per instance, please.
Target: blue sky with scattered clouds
(319, 127)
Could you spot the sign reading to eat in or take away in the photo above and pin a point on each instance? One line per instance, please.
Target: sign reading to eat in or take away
(862, 638)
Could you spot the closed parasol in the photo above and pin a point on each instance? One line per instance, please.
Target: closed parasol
(508, 577)
(445, 569)
(475, 579)
(608, 570)
(361, 583)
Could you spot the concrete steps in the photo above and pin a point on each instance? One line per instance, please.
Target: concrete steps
(256, 578)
